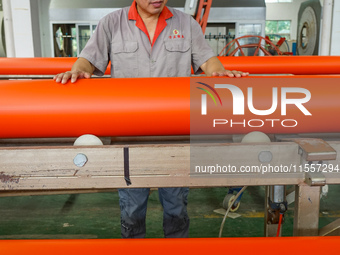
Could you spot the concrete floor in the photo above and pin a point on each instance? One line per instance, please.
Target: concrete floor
(97, 215)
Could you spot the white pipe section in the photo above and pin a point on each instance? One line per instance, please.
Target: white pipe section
(327, 14)
(8, 24)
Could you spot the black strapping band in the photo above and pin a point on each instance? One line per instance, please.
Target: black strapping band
(127, 166)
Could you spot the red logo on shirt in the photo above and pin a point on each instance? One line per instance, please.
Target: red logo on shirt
(176, 34)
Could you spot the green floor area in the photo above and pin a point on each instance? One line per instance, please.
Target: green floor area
(97, 215)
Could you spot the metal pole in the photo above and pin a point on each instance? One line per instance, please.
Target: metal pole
(8, 24)
(327, 15)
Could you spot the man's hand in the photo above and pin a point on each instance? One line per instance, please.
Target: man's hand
(230, 74)
(73, 75)
(82, 68)
(213, 67)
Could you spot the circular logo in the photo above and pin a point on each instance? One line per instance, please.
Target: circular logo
(176, 32)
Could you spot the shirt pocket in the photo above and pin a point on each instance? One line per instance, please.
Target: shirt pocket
(178, 57)
(124, 59)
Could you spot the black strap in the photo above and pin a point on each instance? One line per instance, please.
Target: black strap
(127, 166)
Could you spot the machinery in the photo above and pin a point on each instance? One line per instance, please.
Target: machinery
(298, 144)
(263, 46)
(301, 148)
(227, 20)
(202, 11)
(309, 28)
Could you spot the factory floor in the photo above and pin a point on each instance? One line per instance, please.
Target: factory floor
(97, 215)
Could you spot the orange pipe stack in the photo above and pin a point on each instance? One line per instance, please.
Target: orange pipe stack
(298, 65)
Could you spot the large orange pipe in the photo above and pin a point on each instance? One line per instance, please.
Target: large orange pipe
(185, 246)
(254, 65)
(153, 106)
(103, 107)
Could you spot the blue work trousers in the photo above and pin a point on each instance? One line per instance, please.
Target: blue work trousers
(133, 204)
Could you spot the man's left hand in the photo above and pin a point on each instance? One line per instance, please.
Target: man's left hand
(230, 74)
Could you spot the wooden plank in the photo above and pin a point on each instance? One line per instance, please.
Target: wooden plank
(332, 229)
(52, 168)
(307, 210)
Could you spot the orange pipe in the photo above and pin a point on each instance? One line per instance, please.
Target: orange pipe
(299, 65)
(254, 65)
(323, 105)
(185, 246)
(103, 107)
(37, 66)
(154, 106)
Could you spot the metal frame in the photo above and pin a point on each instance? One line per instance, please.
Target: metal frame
(51, 169)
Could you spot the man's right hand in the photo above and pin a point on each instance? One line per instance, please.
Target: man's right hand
(82, 68)
(73, 75)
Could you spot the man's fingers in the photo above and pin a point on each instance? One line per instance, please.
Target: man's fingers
(236, 74)
(87, 75)
(74, 77)
(79, 75)
(228, 73)
(58, 77)
(61, 78)
(66, 77)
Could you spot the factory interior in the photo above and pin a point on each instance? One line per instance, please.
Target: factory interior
(60, 169)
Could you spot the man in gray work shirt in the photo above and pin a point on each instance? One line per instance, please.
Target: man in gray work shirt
(148, 39)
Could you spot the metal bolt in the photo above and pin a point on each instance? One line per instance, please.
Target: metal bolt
(283, 208)
(80, 160)
(265, 156)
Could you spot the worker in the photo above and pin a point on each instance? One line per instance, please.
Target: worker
(148, 39)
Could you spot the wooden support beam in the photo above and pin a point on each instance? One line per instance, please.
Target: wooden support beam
(306, 213)
(332, 229)
(48, 168)
(53, 168)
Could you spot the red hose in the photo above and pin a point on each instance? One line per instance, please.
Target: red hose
(279, 225)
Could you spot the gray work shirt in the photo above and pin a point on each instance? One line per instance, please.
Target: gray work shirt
(179, 46)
